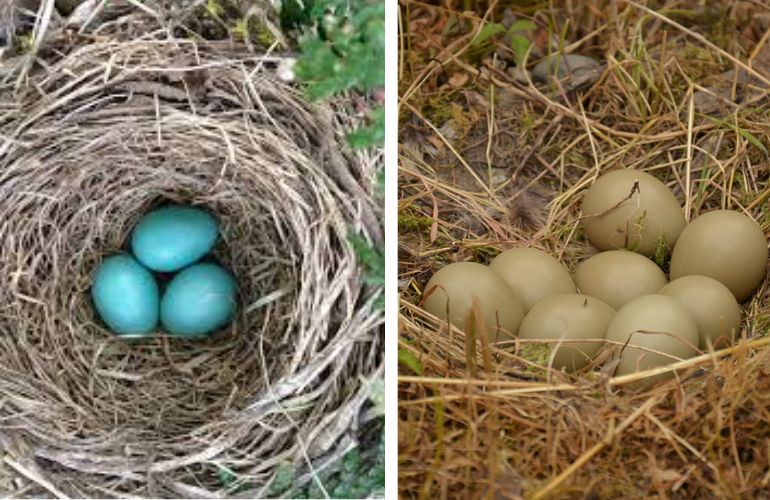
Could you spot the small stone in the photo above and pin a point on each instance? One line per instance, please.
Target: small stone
(572, 66)
(519, 74)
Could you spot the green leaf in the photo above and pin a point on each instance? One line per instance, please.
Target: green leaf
(372, 134)
(520, 46)
(753, 140)
(285, 474)
(522, 25)
(407, 359)
(487, 31)
(226, 476)
(370, 258)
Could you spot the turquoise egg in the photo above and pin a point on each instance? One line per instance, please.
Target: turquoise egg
(173, 237)
(198, 301)
(126, 296)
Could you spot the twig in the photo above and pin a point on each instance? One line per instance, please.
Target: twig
(591, 452)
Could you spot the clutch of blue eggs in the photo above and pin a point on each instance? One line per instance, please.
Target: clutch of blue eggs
(170, 241)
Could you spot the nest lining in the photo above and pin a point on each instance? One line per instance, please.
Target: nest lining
(101, 137)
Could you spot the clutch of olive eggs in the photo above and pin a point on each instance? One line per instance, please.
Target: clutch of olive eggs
(198, 300)
(619, 298)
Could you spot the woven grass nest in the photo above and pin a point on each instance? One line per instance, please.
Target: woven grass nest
(496, 164)
(93, 141)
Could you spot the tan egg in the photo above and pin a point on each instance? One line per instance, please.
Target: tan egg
(618, 276)
(569, 317)
(532, 274)
(712, 305)
(617, 216)
(453, 287)
(656, 322)
(725, 245)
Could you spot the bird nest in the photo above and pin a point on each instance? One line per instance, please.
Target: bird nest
(488, 163)
(96, 139)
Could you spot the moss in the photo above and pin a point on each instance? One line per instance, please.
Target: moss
(536, 353)
(660, 255)
(437, 108)
(484, 254)
(527, 122)
(409, 222)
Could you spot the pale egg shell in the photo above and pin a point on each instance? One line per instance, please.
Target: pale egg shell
(639, 222)
(725, 245)
(173, 237)
(532, 274)
(126, 296)
(656, 322)
(712, 305)
(569, 317)
(618, 276)
(453, 287)
(198, 301)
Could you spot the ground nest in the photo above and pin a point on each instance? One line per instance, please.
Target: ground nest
(489, 163)
(100, 137)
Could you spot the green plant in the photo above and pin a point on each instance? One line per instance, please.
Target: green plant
(342, 48)
(359, 474)
(372, 260)
(518, 34)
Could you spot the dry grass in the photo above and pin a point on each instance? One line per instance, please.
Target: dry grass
(487, 164)
(97, 133)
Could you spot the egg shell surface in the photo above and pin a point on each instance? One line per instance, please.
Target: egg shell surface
(656, 322)
(569, 316)
(173, 237)
(198, 301)
(712, 305)
(126, 296)
(725, 245)
(532, 274)
(617, 276)
(617, 216)
(453, 288)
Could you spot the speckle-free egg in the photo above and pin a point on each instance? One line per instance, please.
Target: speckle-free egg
(712, 305)
(655, 322)
(617, 216)
(725, 245)
(126, 296)
(618, 276)
(198, 301)
(451, 290)
(569, 317)
(173, 237)
(532, 274)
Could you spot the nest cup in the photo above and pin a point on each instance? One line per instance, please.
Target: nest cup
(106, 134)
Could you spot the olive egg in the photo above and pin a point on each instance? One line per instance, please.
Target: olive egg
(198, 301)
(725, 245)
(617, 216)
(532, 274)
(656, 322)
(450, 291)
(618, 276)
(569, 317)
(126, 296)
(173, 237)
(712, 305)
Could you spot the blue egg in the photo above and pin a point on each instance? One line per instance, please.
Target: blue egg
(173, 237)
(126, 296)
(198, 301)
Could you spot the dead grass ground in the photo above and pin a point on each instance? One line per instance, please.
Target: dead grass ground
(487, 163)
